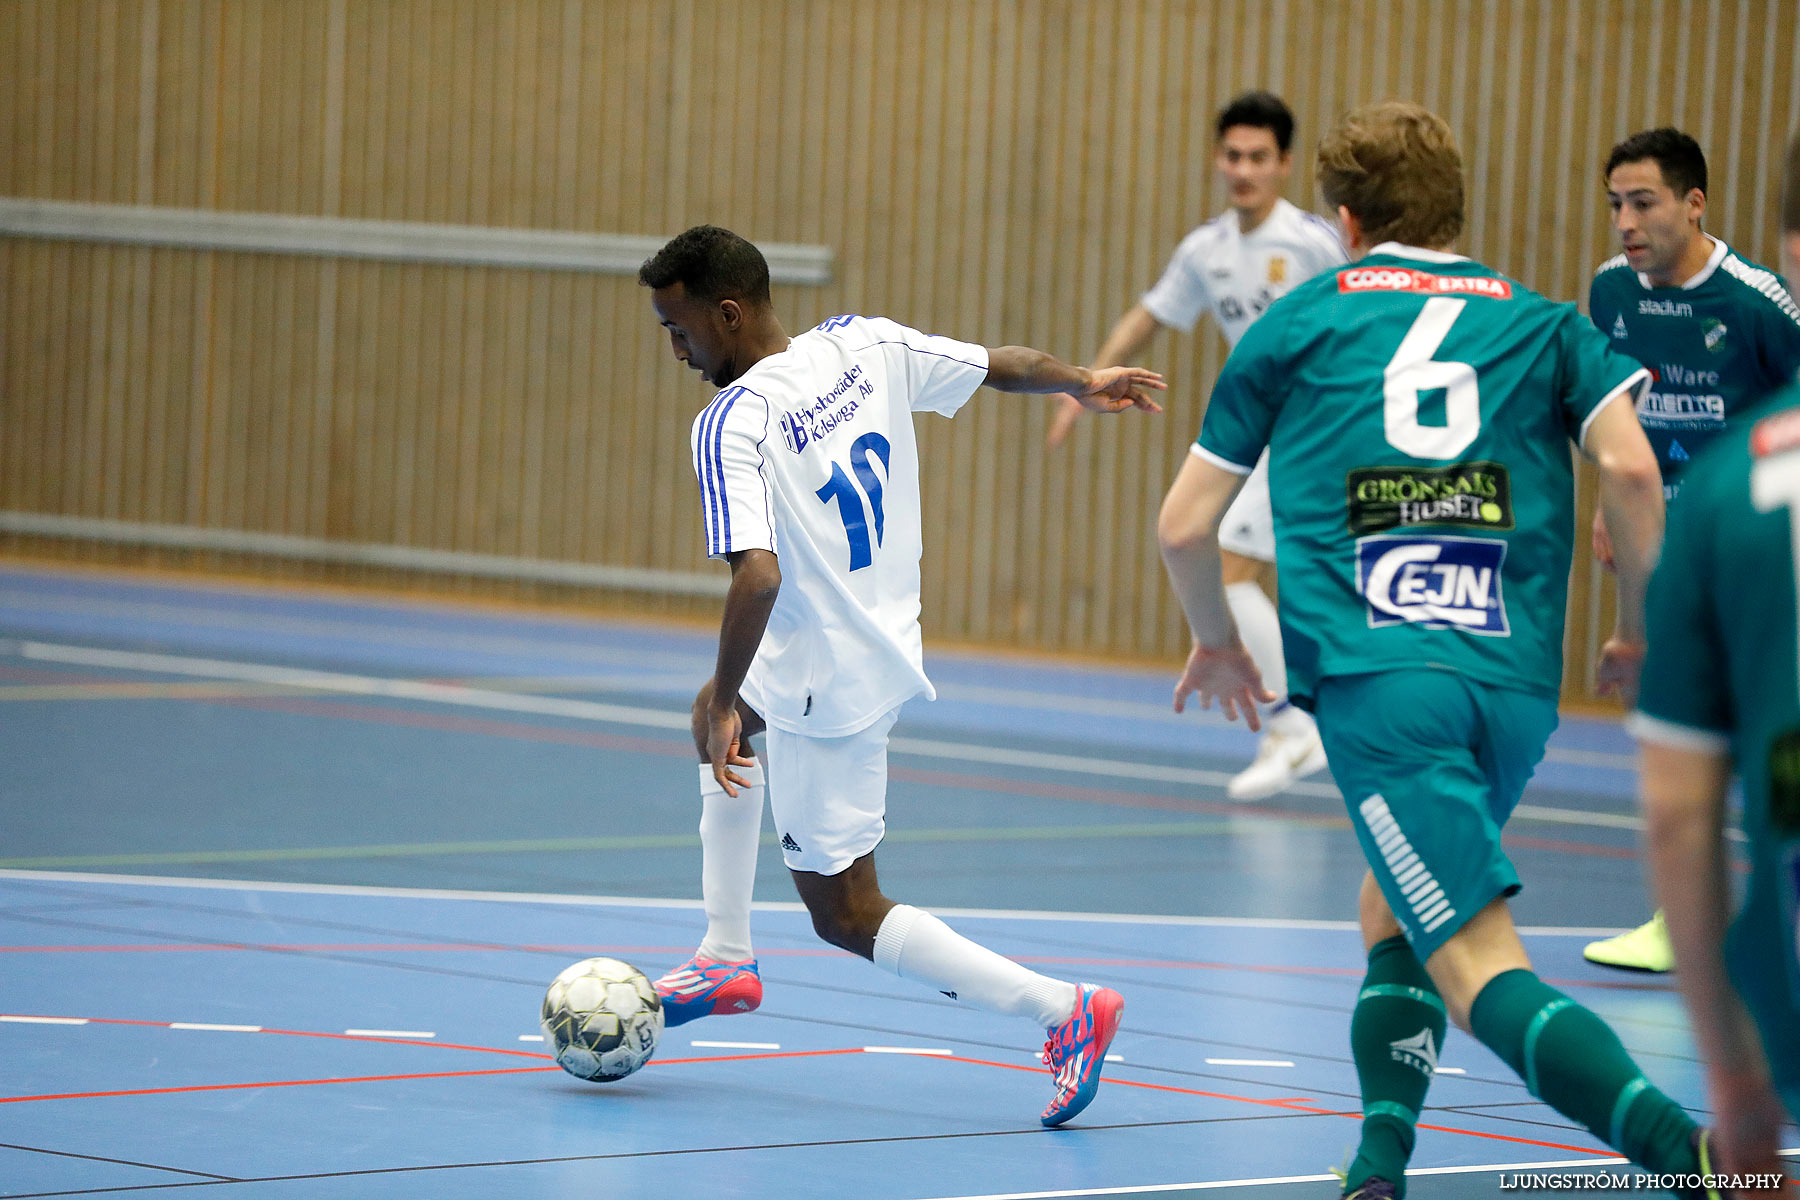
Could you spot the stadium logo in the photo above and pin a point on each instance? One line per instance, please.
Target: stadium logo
(1437, 582)
(1665, 308)
(1417, 1051)
(1475, 495)
(1405, 279)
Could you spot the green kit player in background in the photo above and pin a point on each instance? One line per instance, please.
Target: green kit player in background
(1418, 408)
(1717, 332)
(1721, 690)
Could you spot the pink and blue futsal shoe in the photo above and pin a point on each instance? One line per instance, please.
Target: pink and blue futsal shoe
(1077, 1050)
(704, 987)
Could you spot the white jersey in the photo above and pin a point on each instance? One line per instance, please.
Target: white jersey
(1238, 275)
(811, 454)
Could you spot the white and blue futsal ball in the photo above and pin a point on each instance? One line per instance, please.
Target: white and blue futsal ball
(602, 1019)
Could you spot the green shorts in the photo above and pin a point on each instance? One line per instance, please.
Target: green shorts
(1431, 764)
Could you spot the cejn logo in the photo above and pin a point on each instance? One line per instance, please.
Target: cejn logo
(1437, 582)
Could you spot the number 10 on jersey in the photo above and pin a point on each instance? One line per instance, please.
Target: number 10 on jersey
(850, 498)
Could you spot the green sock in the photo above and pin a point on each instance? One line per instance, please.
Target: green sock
(1572, 1061)
(1395, 1034)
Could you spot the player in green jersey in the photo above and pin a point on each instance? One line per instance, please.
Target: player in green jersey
(1418, 408)
(1717, 331)
(1720, 693)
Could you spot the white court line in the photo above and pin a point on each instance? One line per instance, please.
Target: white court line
(736, 1045)
(997, 914)
(1115, 1058)
(589, 710)
(45, 1020)
(394, 1033)
(908, 1050)
(1449, 1071)
(215, 1028)
(355, 685)
(531, 1037)
(1248, 1062)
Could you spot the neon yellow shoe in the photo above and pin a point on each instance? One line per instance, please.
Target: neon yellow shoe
(1645, 948)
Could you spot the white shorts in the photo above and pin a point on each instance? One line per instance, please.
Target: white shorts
(829, 795)
(1249, 525)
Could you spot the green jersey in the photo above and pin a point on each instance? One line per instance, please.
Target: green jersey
(1417, 408)
(1723, 674)
(1715, 345)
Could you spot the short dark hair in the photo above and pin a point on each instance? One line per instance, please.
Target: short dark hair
(1260, 110)
(1790, 189)
(710, 264)
(1678, 155)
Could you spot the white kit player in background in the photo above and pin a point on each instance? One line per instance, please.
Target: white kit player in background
(809, 484)
(1235, 266)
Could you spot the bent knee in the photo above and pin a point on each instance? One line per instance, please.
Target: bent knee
(848, 923)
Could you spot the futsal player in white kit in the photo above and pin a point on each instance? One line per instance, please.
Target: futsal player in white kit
(1235, 266)
(809, 483)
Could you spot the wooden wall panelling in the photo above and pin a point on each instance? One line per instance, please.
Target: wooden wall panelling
(971, 172)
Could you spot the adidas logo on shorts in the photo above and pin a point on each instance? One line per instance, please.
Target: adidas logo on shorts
(788, 843)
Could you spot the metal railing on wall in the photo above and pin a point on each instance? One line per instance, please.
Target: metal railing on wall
(384, 241)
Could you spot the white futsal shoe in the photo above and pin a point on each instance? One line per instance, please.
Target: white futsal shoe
(1280, 759)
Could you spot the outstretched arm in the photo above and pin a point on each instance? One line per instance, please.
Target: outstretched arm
(755, 582)
(1022, 369)
(1127, 340)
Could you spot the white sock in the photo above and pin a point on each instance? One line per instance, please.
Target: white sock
(1260, 628)
(730, 830)
(913, 944)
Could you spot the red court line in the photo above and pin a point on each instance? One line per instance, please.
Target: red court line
(679, 748)
(379, 714)
(228, 1087)
(1290, 1105)
(1114, 1081)
(784, 952)
(674, 748)
(411, 947)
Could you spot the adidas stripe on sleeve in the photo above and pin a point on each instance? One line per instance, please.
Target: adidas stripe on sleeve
(729, 439)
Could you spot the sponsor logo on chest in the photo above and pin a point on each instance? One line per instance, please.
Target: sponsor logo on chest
(1438, 582)
(1665, 308)
(1475, 495)
(800, 427)
(1405, 279)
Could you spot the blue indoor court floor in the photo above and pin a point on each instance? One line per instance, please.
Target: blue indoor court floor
(284, 873)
